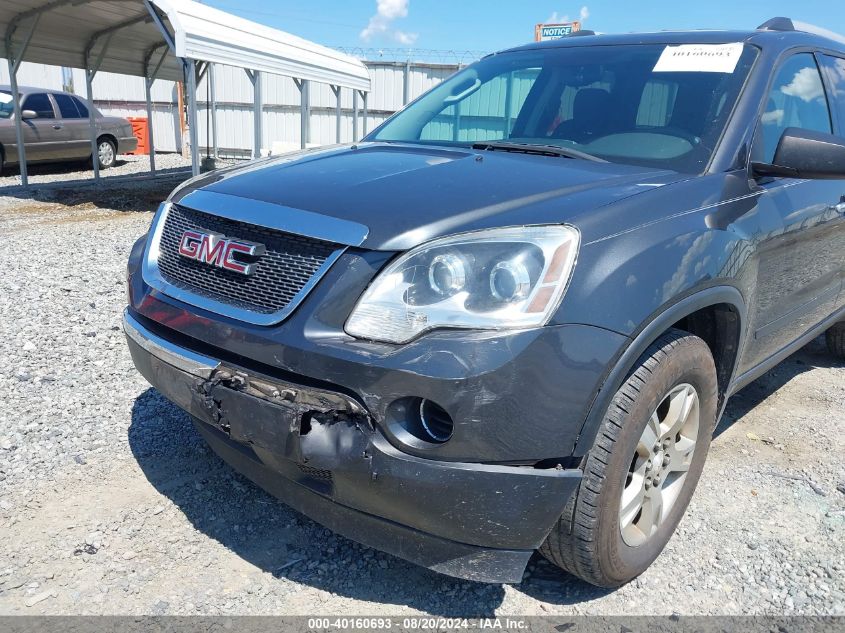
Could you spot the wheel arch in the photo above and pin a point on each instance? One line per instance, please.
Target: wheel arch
(109, 137)
(716, 314)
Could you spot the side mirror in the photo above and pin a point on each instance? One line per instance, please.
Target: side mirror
(29, 114)
(806, 154)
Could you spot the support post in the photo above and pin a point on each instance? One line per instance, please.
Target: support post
(212, 108)
(354, 116)
(406, 83)
(149, 79)
(508, 98)
(92, 124)
(190, 70)
(304, 112)
(14, 61)
(13, 80)
(91, 72)
(255, 78)
(148, 85)
(364, 94)
(337, 113)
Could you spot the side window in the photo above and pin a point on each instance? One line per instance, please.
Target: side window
(834, 70)
(83, 109)
(67, 107)
(797, 99)
(40, 103)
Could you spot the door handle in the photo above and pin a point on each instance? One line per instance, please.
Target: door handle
(57, 127)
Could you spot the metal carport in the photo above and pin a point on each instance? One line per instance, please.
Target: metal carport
(166, 39)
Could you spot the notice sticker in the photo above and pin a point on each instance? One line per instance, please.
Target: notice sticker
(699, 58)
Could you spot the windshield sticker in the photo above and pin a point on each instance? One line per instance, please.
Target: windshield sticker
(699, 58)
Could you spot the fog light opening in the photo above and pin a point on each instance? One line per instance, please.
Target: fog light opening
(418, 422)
(435, 422)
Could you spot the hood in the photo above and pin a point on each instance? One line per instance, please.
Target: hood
(408, 194)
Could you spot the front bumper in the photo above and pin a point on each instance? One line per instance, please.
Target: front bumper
(320, 452)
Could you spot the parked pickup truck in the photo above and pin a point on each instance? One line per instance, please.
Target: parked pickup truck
(56, 129)
(509, 319)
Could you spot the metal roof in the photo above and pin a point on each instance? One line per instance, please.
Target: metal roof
(138, 31)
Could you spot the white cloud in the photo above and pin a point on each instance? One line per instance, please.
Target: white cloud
(558, 18)
(380, 25)
(585, 14)
(806, 85)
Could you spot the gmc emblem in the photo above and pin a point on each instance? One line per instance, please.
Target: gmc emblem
(219, 251)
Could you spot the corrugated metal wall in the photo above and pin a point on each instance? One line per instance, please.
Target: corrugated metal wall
(124, 96)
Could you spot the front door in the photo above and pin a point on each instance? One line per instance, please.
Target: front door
(44, 136)
(833, 70)
(799, 261)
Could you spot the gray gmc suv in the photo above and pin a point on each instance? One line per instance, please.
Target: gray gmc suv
(56, 129)
(509, 319)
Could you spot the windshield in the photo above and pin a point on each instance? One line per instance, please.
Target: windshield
(7, 107)
(651, 105)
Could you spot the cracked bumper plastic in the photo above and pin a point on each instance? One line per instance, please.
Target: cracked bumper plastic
(475, 521)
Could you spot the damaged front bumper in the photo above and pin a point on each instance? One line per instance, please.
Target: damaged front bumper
(320, 452)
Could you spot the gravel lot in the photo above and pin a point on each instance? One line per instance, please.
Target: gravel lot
(66, 173)
(110, 503)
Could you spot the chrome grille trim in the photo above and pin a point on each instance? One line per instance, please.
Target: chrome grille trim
(155, 278)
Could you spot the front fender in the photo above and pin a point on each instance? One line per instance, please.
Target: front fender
(642, 282)
(649, 332)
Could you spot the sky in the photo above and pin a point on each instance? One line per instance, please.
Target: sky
(490, 25)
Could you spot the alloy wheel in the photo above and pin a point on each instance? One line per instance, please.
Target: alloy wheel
(659, 465)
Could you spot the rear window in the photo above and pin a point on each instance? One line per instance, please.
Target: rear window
(67, 106)
(83, 109)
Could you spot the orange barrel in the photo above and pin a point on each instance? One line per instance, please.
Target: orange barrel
(140, 128)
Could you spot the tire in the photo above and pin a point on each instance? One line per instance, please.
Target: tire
(106, 153)
(588, 539)
(835, 338)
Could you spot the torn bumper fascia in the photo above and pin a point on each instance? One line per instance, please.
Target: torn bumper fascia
(320, 452)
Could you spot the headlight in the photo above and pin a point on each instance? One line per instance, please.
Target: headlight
(492, 279)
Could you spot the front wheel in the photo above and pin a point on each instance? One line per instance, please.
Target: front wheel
(106, 153)
(835, 337)
(641, 472)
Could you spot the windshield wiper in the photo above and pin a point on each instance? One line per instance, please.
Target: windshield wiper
(531, 148)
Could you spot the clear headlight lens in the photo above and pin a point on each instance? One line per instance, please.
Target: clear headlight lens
(492, 279)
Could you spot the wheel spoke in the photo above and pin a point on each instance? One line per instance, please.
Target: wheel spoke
(651, 433)
(681, 403)
(652, 514)
(632, 501)
(680, 454)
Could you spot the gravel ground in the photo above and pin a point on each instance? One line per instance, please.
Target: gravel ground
(110, 503)
(125, 165)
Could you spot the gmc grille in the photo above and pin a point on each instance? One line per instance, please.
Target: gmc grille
(289, 264)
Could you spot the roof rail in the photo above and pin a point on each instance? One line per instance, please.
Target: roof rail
(777, 24)
(787, 24)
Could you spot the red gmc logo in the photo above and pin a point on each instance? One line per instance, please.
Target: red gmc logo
(219, 251)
